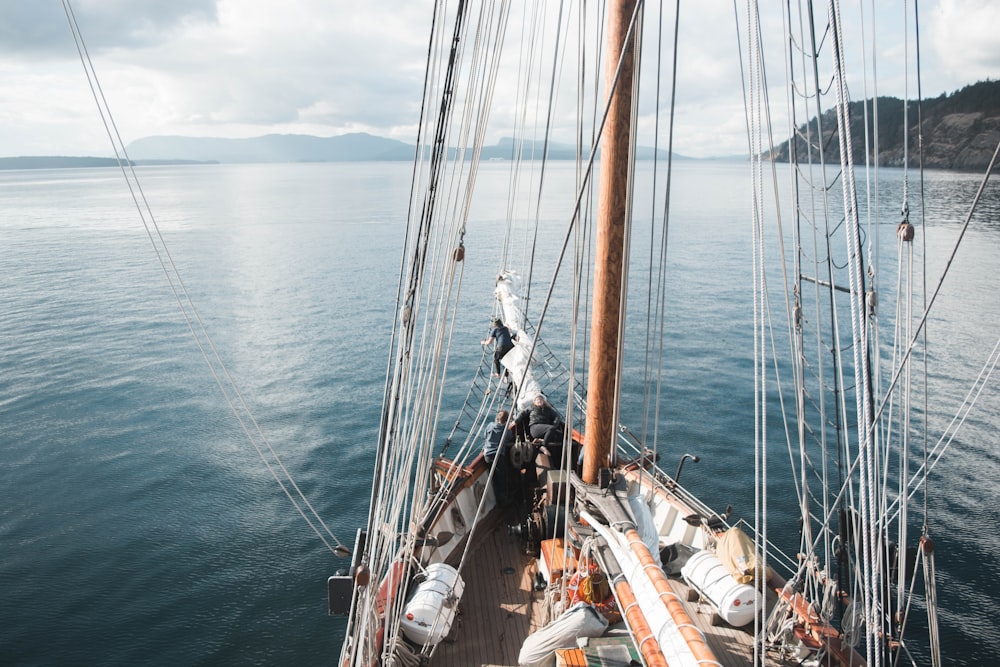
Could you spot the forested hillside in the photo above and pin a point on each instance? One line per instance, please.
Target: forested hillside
(956, 131)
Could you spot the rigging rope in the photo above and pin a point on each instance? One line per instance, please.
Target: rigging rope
(929, 585)
(656, 301)
(230, 390)
(753, 99)
(862, 369)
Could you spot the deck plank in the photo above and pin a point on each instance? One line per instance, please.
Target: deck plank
(494, 616)
(733, 647)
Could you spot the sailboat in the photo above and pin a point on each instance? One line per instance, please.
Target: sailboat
(589, 550)
(500, 546)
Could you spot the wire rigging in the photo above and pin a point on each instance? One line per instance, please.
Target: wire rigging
(233, 396)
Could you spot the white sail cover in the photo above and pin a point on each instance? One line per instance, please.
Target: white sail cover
(516, 361)
(665, 629)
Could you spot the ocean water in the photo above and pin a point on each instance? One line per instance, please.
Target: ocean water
(139, 526)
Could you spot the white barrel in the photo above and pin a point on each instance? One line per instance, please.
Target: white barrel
(431, 608)
(736, 602)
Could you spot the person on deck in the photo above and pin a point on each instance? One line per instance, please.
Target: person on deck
(495, 436)
(503, 339)
(540, 421)
(497, 440)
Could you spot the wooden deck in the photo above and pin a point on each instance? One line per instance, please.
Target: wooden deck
(500, 608)
(733, 647)
(497, 607)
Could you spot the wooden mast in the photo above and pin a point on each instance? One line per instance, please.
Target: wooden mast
(602, 383)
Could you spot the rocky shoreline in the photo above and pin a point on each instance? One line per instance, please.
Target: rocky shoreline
(957, 132)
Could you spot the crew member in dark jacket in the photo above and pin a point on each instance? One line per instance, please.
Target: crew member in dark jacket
(497, 443)
(504, 343)
(540, 421)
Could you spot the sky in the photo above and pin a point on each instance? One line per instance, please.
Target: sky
(245, 68)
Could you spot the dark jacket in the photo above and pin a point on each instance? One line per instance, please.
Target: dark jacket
(502, 336)
(537, 414)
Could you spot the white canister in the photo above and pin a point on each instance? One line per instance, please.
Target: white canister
(428, 614)
(736, 602)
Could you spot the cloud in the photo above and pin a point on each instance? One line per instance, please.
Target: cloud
(234, 68)
(964, 38)
(258, 69)
(207, 68)
(40, 29)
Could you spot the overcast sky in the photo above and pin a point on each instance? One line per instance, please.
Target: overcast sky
(243, 68)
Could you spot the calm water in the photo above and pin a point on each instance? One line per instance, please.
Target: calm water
(138, 525)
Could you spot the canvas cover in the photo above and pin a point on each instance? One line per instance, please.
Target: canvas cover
(645, 525)
(735, 550)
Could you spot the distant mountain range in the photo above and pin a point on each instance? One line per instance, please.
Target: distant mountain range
(272, 148)
(68, 162)
(357, 147)
(958, 131)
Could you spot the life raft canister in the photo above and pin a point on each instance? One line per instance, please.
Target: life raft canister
(736, 602)
(428, 614)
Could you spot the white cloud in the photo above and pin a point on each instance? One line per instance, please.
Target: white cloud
(965, 40)
(249, 67)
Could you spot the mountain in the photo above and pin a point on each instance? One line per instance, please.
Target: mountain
(343, 148)
(357, 147)
(506, 147)
(959, 131)
(271, 148)
(68, 162)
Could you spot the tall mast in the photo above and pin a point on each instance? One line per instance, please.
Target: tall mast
(602, 383)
